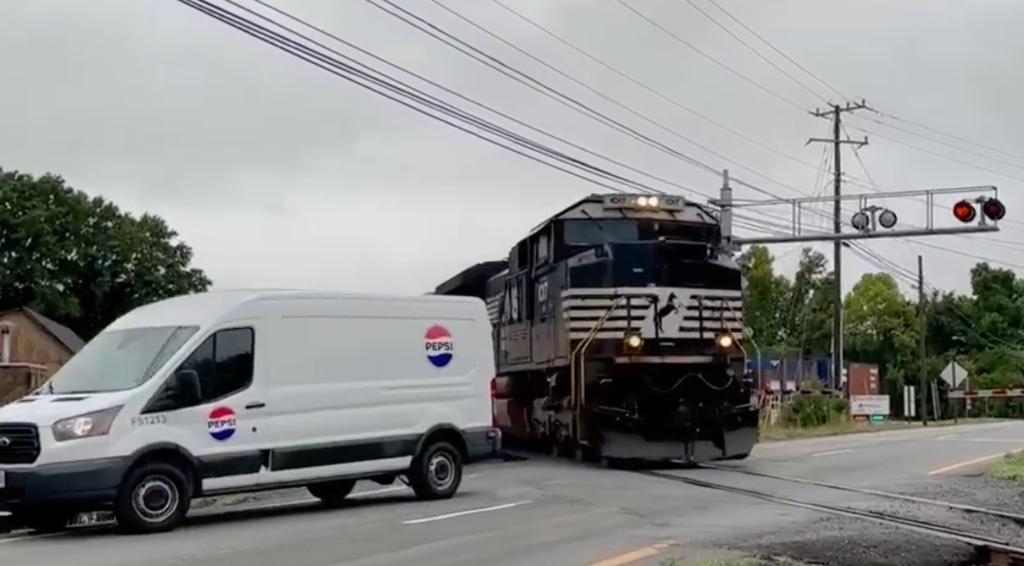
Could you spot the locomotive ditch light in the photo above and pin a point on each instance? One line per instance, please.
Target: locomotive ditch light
(633, 341)
(964, 211)
(724, 341)
(993, 209)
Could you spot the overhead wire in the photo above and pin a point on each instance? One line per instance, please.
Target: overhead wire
(953, 136)
(450, 91)
(437, 32)
(935, 153)
(674, 101)
(757, 52)
(390, 90)
(777, 50)
(679, 39)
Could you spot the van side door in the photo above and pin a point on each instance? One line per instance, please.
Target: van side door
(213, 406)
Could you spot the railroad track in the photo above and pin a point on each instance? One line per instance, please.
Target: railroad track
(995, 550)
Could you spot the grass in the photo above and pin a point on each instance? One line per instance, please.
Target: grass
(1010, 468)
(774, 433)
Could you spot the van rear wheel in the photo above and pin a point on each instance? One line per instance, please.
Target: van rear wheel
(332, 493)
(154, 497)
(436, 472)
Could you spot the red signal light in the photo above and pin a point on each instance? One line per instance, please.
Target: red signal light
(993, 209)
(964, 211)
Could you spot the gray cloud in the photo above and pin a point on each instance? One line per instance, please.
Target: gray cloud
(280, 174)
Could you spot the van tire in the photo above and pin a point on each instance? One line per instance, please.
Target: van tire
(169, 492)
(436, 472)
(332, 493)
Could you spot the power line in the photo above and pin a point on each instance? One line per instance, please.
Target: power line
(660, 94)
(381, 86)
(953, 136)
(937, 154)
(777, 50)
(497, 64)
(447, 90)
(971, 255)
(707, 56)
(939, 141)
(722, 26)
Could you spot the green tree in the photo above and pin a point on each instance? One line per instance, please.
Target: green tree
(80, 259)
(807, 316)
(881, 327)
(764, 294)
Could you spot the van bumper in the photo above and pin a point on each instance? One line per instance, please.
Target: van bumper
(87, 484)
(482, 443)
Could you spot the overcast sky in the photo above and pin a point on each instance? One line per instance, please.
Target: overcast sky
(279, 174)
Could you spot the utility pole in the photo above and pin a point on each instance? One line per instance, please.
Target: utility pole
(922, 322)
(837, 142)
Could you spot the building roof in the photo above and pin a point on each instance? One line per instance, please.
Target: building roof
(62, 333)
(58, 331)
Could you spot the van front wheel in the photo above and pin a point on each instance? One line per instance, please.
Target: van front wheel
(436, 472)
(154, 497)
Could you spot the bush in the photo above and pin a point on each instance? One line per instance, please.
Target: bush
(815, 410)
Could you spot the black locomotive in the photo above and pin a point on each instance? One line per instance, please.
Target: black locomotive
(618, 333)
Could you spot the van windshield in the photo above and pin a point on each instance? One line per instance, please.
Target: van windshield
(118, 360)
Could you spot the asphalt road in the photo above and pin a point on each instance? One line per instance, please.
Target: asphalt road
(542, 511)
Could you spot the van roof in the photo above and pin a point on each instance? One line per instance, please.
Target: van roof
(206, 308)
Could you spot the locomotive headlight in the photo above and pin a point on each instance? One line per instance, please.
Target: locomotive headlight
(724, 341)
(652, 201)
(641, 201)
(633, 341)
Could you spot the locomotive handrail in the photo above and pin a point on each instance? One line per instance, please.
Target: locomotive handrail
(737, 342)
(581, 348)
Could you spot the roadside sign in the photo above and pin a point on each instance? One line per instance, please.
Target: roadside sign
(869, 405)
(953, 374)
(877, 419)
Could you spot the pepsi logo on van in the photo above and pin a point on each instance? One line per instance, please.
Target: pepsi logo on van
(222, 423)
(440, 346)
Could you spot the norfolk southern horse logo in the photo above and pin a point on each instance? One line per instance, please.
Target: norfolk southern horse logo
(660, 314)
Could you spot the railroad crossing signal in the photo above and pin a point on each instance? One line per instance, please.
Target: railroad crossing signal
(874, 219)
(991, 208)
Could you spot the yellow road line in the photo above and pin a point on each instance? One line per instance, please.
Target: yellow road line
(969, 463)
(633, 556)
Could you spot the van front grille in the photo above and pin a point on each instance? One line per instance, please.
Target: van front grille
(19, 443)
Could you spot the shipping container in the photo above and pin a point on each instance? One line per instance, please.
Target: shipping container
(862, 379)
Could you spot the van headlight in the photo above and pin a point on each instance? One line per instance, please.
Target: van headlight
(84, 426)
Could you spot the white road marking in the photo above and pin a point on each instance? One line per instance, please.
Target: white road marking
(970, 463)
(833, 452)
(463, 513)
(1017, 440)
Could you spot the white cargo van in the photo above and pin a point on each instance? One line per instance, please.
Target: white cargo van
(245, 390)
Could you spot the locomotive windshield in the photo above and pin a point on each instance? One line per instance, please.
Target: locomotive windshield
(592, 232)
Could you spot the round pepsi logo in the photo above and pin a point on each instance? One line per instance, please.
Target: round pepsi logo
(440, 346)
(222, 423)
